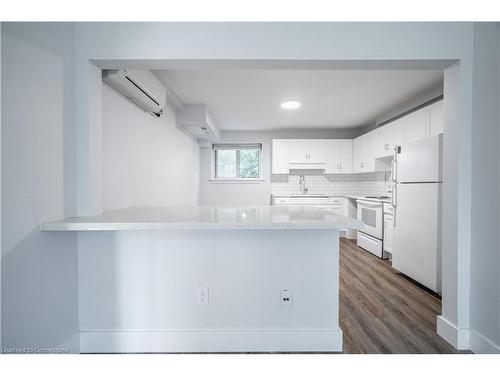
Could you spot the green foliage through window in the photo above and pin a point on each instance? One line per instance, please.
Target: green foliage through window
(237, 163)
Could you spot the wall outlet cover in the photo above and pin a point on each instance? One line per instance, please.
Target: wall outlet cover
(202, 296)
(286, 299)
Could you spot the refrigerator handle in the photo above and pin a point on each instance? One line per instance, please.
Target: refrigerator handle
(394, 165)
(394, 195)
(394, 198)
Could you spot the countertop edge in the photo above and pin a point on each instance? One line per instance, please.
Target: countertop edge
(87, 227)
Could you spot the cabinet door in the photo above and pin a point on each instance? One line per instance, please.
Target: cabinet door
(357, 156)
(345, 155)
(368, 145)
(280, 156)
(388, 233)
(396, 135)
(381, 141)
(332, 152)
(315, 151)
(436, 118)
(416, 125)
(299, 151)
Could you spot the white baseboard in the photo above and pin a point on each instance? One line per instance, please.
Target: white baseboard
(458, 337)
(482, 345)
(211, 341)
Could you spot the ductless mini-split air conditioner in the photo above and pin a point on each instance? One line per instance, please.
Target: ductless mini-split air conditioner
(139, 86)
(198, 121)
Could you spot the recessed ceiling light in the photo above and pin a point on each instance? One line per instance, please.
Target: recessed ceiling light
(292, 104)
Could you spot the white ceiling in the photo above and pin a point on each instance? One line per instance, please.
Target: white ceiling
(250, 99)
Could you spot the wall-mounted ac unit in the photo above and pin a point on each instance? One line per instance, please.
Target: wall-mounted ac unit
(197, 121)
(140, 86)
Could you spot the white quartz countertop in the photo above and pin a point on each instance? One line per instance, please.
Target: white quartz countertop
(207, 218)
(319, 195)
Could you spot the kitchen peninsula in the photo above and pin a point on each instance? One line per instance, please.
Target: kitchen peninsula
(206, 279)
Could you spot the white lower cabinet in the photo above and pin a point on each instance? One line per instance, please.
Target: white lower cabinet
(388, 233)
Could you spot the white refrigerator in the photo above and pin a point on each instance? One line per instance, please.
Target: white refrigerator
(416, 197)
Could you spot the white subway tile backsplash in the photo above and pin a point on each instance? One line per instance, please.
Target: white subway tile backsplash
(377, 183)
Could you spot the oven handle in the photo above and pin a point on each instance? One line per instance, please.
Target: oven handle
(369, 205)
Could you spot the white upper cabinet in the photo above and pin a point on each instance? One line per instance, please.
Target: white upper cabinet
(436, 118)
(363, 153)
(298, 151)
(316, 150)
(357, 150)
(332, 153)
(424, 123)
(368, 162)
(280, 155)
(416, 125)
(307, 151)
(367, 153)
(345, 158)
(338, 156)
(387, 137)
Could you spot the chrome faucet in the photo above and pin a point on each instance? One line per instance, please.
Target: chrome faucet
(302, 183)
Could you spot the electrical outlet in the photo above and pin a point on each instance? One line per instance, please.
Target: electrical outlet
(202, 296)
(286, 299)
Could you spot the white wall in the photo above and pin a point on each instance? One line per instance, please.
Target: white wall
(0, 184)
(258, 193)
(485, 256)
(39, 270)
(159, 42)
(147, 161)
(138, 291)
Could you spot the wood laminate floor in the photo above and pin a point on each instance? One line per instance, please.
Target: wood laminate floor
(381, 311)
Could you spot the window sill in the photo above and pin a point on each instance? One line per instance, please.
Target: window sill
(221, 181)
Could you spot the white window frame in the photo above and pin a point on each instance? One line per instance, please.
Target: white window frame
(215, 179)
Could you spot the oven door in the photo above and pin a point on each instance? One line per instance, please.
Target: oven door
(370, 213)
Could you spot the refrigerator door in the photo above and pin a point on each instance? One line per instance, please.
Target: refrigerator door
(420, 161)
(417, 237)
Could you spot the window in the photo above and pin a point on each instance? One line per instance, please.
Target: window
(236, 162)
